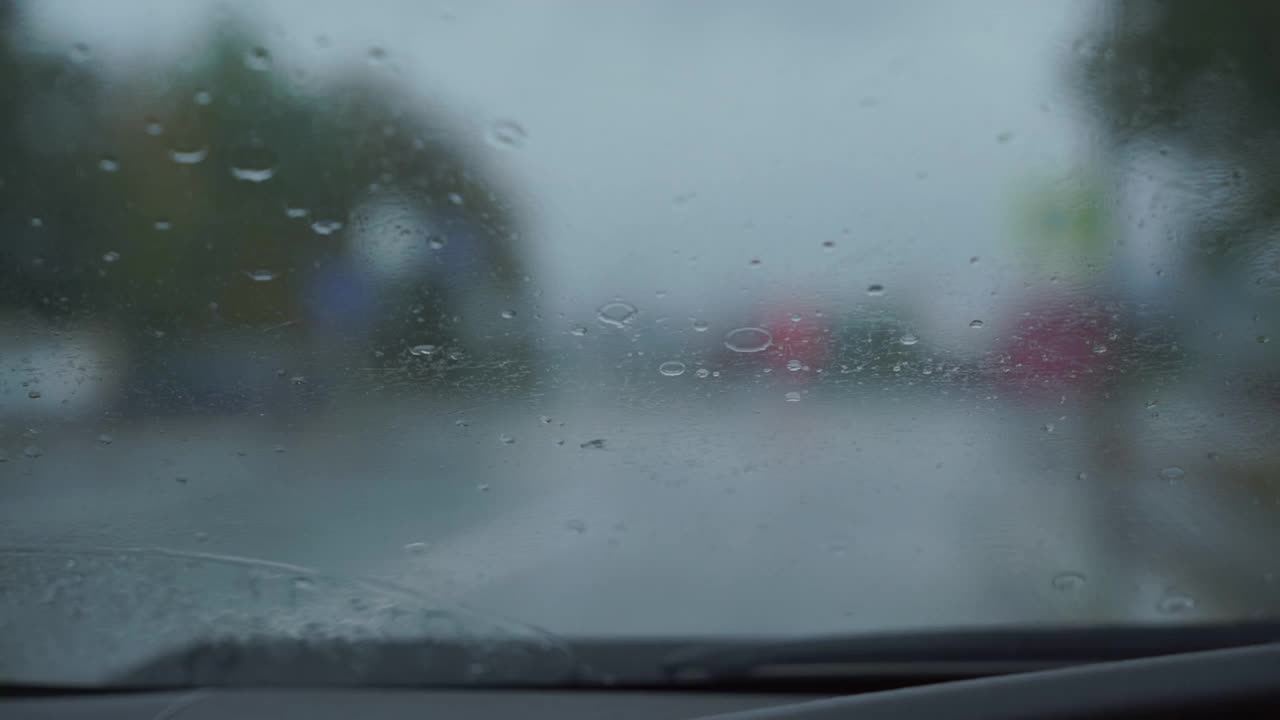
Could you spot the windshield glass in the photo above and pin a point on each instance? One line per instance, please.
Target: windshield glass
(631, 319)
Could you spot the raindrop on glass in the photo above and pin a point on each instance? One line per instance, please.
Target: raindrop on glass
(616, 314)
(108, 164)
(79, 53)
(110, 256)
(34, 394)
(415, 548)
(795, 365)
(202, 97)
(326, 226)
(162, 225)
(105, 439)
(793, 396)
(32, 451)
(260, 275)
(153, 127)
(506, 439)
(507, 135)
(908, 339)
(424, 350)
(576, 526)
(578, 330)
(1174, 603)
(192, 156)
(748, 339)
(257, 58)
(1172, 473)
(875, 290)
(253, 164)
(436, 242)
(701, 325)
(671, 368)
(508, 314)
(975, 324)
(1067, 582)
(702, 372)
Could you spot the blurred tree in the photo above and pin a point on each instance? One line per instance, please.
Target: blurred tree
(225, 211)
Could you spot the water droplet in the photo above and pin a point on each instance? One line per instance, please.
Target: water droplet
(576, 526)
(108, 163)
(462, 423)
(671, 368)
(1004, 137)
(974, 260)
(260, 275)
(1082, 476)
(110, 256)
(34, 394)
(1174, 603)
(202, 97)
(596, 444)
(257, 59)
(702, 372)
(377, 54)
(506, 134)
(253, 164)
(32, 451)
(278, 448)
(295, 212)
(508, 314)
(1067, 582)
(748, 339)
(1099, 349)
(793, 396)
(483, 487)
(415, 548)
(875, 290)
(105, 439)
(79, 53)
(828, 244)
(152, 126)
(455, 198)
(1172, 473)
(424, 350)
(190, 156)
(701, 325)
(578, 330)
(506, 439)
(436, 242)
(162, 225)
(616, 314)
(1212, 455)
(975, 324)
(327, 226)
(908, 339)
(795, 365)
(1263, 339)
(201, 537)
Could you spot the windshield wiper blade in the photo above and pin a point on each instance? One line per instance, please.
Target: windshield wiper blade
(935, 656)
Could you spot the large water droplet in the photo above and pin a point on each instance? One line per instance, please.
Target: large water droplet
(702, 372)
(1067, 582)
(189, 156)
(1172, 473)
(507, 135)
(875, 290)
(748, 339)
(795, 365)
(671, 368)
(909, 339)
(701, 325)
(253, 164)
(260, 275)
(616, 314)
(976, 324)
(508, 314)
(257, 58)
(793, 396)
(424, 350)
